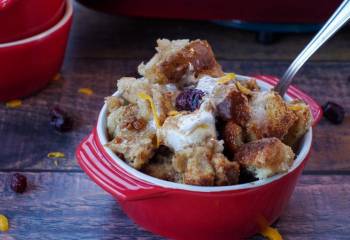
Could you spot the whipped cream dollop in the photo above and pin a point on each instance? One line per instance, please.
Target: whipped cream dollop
(207, 84)
(213, 89)
(188, 129)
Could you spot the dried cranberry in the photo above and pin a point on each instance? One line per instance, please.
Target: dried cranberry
(189, 100)
(333, 112)
(18, 183)
(60, 120)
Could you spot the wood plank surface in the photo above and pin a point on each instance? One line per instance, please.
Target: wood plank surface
(70, 206)
(29, 137)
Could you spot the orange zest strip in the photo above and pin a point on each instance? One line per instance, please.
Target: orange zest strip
(55, 155)
(4, 223)
(86, 91)
(243, 89)
(15, 103)
(148, 98)
(267, 231)
(271, 233)
(227, 78)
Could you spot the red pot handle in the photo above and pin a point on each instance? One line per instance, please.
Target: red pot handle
(4, 4)
(294, 92)
(110, 176)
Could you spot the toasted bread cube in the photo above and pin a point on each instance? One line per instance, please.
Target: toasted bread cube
(132, 139)
(270, 116)
(194, 166)
(163, 96)
(113, 103)
(301, 125)
(265, 157)
(160, 166)
(180, 61)
(235, 107)
(164, 100)
(250, 84)
(226, 172)
(233, 136)
(129, 88)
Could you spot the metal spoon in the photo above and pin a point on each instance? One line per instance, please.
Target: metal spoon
(334, 23)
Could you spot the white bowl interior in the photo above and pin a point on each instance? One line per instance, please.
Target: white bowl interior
(305, 144)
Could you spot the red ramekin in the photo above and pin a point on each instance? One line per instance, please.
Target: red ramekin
(24, 18)
(182, 211)
(29, 64)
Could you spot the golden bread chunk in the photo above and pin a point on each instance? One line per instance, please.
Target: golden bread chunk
(181, 61)
(113, 103)
(270, 116)
(129, 87)
(160, 166)
(194, 166)
(233, 136)
(132, 137)
(265, 157)
(235, 107)
(163, 96)
(226, 172)
(301, 125)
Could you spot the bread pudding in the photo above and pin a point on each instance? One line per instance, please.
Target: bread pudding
(187, 121)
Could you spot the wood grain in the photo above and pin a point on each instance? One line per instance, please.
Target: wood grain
(99, 35)
(29, 137)
(70, 206)
(64, 206)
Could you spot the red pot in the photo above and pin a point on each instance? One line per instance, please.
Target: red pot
(268, 11)
(193, 212)
(24, 18)
(29, 64)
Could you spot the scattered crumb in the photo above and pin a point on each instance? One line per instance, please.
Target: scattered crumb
(15, 103)
(86, 91)
(56, 163)
(55, 155)
(57, 77)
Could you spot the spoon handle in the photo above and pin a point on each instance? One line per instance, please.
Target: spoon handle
(334, 23)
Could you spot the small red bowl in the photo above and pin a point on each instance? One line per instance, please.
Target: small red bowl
(29, 64)
(24, 18)
(182, 211)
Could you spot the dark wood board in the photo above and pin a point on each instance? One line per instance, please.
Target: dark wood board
(70, 206)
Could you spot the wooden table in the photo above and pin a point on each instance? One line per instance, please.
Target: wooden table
(63, 203)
